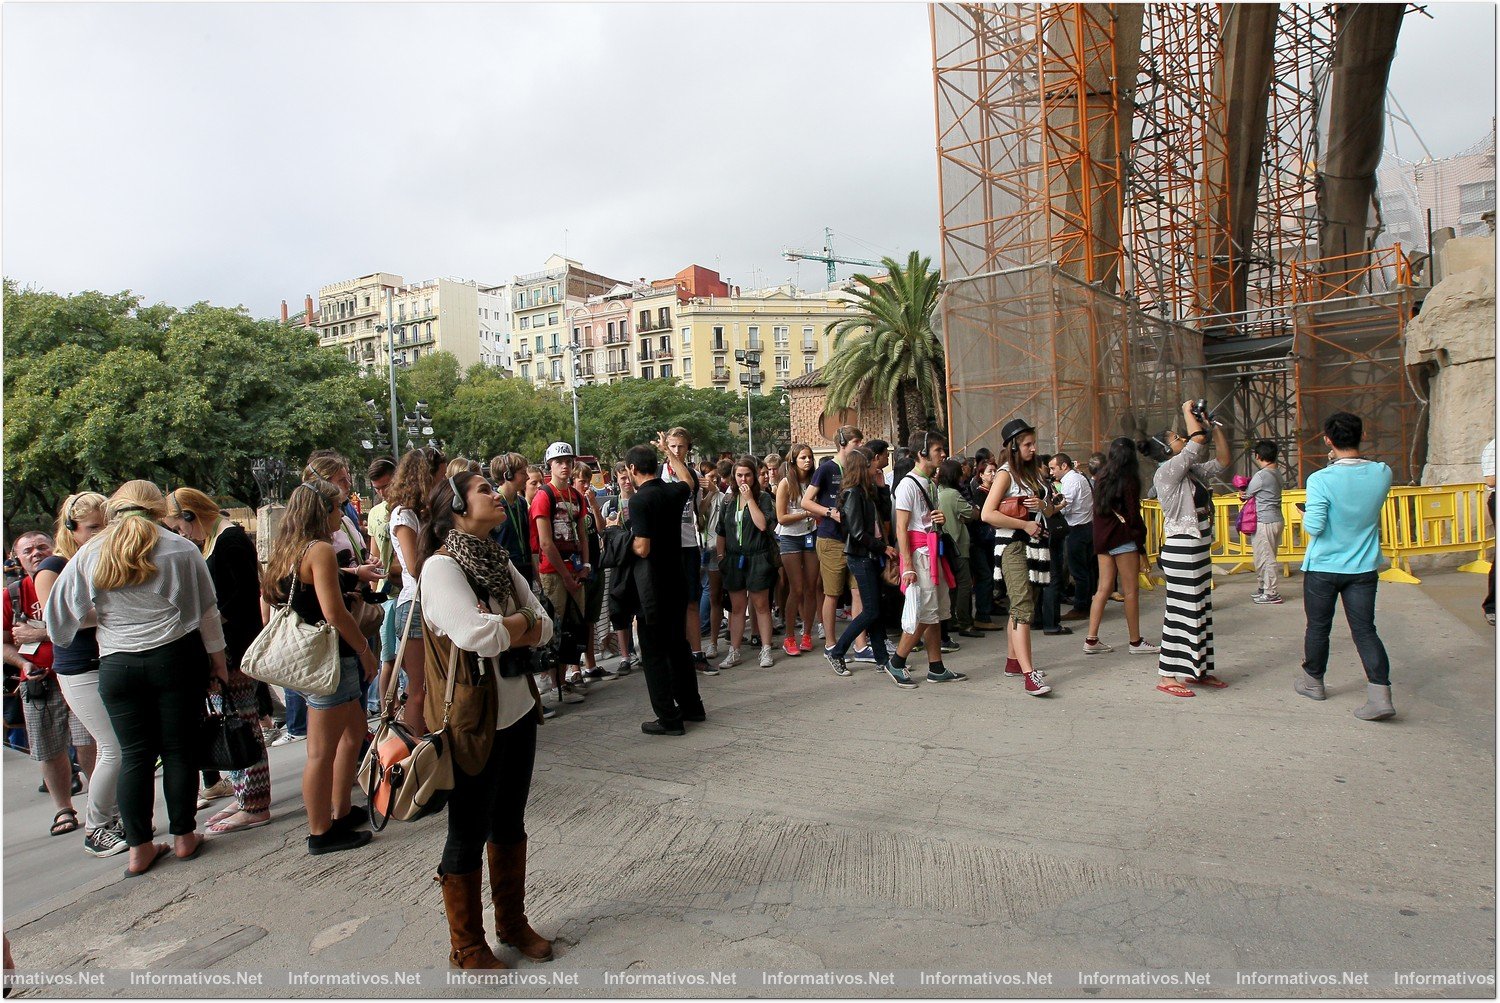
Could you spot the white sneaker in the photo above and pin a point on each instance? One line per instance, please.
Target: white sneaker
(710, 649)
(818, 630)
(731, 660)
(766, 658)
(1095, 647)
(1144, 648)
(287, 738)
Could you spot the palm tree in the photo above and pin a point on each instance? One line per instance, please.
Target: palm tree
(887, 347)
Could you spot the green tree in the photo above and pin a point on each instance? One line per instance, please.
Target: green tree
(101, 389)
(491, 413)
(887, 347)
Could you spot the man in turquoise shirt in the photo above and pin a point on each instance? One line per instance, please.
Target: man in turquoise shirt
(1342, 523)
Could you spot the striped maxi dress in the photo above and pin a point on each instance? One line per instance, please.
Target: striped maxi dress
(1187, 629)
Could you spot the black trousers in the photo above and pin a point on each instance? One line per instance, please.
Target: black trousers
(1083, 566)
(667, 661)
(1052, 593)
(490, 806)
(155, 699)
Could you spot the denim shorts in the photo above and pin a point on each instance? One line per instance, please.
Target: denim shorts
(1124, 548)
(796, 544)
(402, 610)
(347, 691)
(388, 631)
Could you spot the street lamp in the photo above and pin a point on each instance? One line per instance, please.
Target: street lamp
(390, 362)
(751, 380)
(269, 473)
(573, 349)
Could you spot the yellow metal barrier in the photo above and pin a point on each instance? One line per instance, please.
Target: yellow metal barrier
(1416, 521)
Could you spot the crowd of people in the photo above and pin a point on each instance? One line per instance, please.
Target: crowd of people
(486, 597)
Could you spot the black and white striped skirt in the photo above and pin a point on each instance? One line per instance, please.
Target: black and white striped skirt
(1187, 629)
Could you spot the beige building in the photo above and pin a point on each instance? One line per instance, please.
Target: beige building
(791, 330)
(437, 315)
(540, 329)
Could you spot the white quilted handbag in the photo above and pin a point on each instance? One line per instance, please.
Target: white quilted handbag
(294, 654)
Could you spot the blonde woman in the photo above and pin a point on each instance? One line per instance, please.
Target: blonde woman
(235, 569)
(160, 639)
(336, 722)
(80, 518)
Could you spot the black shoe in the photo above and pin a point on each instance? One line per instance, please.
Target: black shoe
(357, 818)
(948, 645)
(697, 718)
(969, 633)
(1056, 631)
(655, 727)
(335, 840)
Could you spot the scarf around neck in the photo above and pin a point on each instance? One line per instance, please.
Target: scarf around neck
(485, 562)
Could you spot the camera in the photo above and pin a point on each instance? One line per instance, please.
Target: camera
(1202, 413)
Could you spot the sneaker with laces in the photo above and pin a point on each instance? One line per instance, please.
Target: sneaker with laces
(732, 659)
(767, 659)
(1034, 685)
(548, 712)
(946, 676)
(899, 677)
(1145, 647)
(624, 667)
(287, 738)
(1267, 598)
(865, 654)
(949, 645)
(790, 646)
(105, 841)
(818, 631)
(840, 667)
(1094, 646)
(806, 643)
(576, 678)
(710, 649)
(570, 694)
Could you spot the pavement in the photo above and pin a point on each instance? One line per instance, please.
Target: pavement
(818, 823)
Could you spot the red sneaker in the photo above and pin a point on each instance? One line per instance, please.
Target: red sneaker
(790, 646)
(806, 644)
(1035, 686)
(1012, 667)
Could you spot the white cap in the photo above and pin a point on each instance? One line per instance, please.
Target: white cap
(558, 451)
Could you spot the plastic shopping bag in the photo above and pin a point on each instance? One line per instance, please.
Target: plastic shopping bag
(911, 610)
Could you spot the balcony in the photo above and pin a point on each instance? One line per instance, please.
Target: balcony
(721, 375)
(617, 339)
(523, 353)
(664, 353)
(809, 345)
(756, 345)
(645, 355)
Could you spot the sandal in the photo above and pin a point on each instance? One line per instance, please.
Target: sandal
(220, 816)
(64, 822)
(1172, 687)
(161, 850)
(1211, 681)
(220, 827)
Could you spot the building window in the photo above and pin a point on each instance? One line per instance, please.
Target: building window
(666, 370)
(807, 367)
(609, 332)
(539, 343)
(666, 344)
(401, 311)
(556, 369)
(646, 372)
(645, 323)
(577, 333)
(687, 337)
(780, 333)
(429, 329)
(552, 319)
(718, 338)
(664, 317)
(808, 344)
(525, 323)
(687, 367)
(556, 345)
(525, 370)
(753, 333)
(552, 295)
(783, 365)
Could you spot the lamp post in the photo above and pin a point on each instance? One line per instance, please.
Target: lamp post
(269, 473)
(751, 380)
(390, 362)
(420, 423)
(573, 349)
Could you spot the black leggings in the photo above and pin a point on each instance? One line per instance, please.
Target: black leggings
(491, 807)
(155, 703)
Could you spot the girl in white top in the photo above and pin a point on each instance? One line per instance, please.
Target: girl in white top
(415, 476)
(795, 538)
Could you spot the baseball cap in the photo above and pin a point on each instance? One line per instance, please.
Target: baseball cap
(558, 451)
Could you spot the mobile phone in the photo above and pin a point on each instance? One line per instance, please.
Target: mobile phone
(1301, 506)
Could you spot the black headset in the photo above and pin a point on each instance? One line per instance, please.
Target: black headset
(839, 439)
(70, 523)
(332, 507)
(185, 515)
(458, 504)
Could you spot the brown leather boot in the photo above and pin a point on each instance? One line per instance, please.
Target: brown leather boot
(508, 888)
(464, 905)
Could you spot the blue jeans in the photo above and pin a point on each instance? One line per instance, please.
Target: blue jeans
(866, 574)
(296, 713)
(1320, 591)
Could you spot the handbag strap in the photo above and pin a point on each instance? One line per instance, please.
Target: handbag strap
(390, 691)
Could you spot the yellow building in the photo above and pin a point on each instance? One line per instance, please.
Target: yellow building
(790, 328)
(541, 304)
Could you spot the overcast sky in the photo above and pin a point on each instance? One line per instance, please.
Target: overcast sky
(251, 153)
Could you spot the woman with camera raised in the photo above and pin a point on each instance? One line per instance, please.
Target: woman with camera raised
(480, 617)
(1187, 507)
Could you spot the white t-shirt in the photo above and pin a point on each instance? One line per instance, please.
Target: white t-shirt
(1078, 498)
(690, 508)
(794, 507)
(404, 517)
(916, 494)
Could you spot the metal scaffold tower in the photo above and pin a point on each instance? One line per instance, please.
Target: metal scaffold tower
(1130, 215)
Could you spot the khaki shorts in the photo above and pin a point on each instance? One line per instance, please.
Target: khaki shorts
(557, 594)
(833, 566)
(1017, 583)
(936, 603)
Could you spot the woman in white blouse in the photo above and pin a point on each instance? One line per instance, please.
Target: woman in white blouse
(481, 618)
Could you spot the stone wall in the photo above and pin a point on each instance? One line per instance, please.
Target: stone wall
(808, 425)
(1453, 342)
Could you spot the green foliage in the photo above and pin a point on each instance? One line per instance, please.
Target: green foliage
(888, 345)
(100, 389)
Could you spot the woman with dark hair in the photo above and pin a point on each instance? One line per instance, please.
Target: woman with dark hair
(415, 476)
(1120, 542)
(1022, 557)
(745, 542)
(303, 571)
(481, 616)
(866, 549)
(1187, 508)
(957, 514)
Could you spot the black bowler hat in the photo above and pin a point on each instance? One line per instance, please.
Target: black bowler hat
(1014, 428)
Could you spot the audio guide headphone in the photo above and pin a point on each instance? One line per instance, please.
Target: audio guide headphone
(186, 515)
(68, 521)
(458, 504)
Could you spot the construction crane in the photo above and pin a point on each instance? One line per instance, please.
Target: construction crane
(827, 257)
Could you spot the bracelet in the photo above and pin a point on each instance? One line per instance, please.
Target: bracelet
(1194, 435)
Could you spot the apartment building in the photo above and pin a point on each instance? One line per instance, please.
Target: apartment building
(600, 326)
(540, 306)
(435, 315)
(494, 326)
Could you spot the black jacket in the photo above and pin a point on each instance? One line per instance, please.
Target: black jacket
(861, 518)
